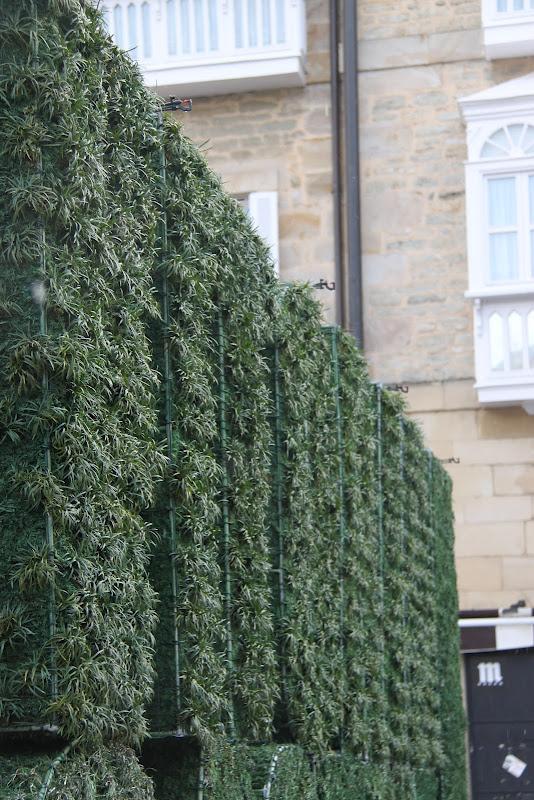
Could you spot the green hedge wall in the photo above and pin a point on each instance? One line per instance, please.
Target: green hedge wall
(194, 468)
(217, 286)
(113, 773)
(79, 457)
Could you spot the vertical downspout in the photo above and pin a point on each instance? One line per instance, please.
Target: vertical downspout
(352, 298)
(339, 272)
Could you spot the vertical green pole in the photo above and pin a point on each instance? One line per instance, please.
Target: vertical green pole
(225, 517)
(201, 776)
(342, 520)
(434, 533)
(404, 598)
(380, 521)
(167, 377)
(49, 523)
(45, 385)
(279, 494)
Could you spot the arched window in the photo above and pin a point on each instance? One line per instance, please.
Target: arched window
(509, 142)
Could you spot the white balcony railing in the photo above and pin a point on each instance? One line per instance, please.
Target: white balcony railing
(212, 46)
(508, 28)
(504, 343)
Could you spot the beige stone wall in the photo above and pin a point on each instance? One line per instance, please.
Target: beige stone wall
(493, 490)
(418, 325)
(281, 141)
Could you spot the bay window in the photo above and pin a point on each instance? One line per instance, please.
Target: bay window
(500, 237)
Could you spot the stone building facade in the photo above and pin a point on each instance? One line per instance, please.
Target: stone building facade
(416, 59)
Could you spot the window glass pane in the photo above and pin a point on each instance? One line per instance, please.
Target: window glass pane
(502, 5)
(530, 329)
(280, 21)
(214, 35)
(491, 151)
(532, 253)
(501, 202)
(266, 20)
(500, 139)
(252, 24)
(147, 36)
(238, 22)
(199, 26)
(503, 256)
(107, 18)
(117, 24)
(531, 197)
(171, 27)
(518, 5)
(184, 19)
(515, 340)
(515, 132)
(132, 30)
(496, 342)
(528, 138)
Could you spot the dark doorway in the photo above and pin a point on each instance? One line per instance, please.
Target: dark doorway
(500, 698)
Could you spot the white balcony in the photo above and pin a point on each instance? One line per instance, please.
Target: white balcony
(508, 28)
(504, 349)
(207, 47)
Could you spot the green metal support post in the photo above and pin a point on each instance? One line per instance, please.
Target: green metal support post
(279, 495)
(167, 377)
(341, 500)
(225, 515)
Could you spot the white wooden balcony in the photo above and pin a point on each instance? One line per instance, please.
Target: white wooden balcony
(207, 47)
(508, 28)
(504, 348)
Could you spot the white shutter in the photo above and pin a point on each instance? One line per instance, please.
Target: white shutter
(263, 210)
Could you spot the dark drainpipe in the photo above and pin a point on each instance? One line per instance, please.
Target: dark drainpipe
(336, 164)
(351, 283)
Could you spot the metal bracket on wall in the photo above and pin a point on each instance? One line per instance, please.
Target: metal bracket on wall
(451, 460)
(324, 284)
(178, 104)
(397, 387)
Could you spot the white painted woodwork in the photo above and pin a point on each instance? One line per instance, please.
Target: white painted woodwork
(500, 206)
(508, 27)
(208, 47)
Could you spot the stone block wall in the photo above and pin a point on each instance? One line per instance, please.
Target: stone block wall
(281, 141)
(493, 489)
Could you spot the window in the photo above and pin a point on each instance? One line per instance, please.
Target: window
(510, 227)
(500, 236)
(262, 208)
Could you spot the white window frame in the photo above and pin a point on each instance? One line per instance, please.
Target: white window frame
(478, 173)
(485, 113)
(507, 34)
(266, 226)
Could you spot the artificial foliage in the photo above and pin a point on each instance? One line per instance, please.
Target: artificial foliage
(307, 552)
(79, 451)
(209, 515)
(111, 773)
(216, 284)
